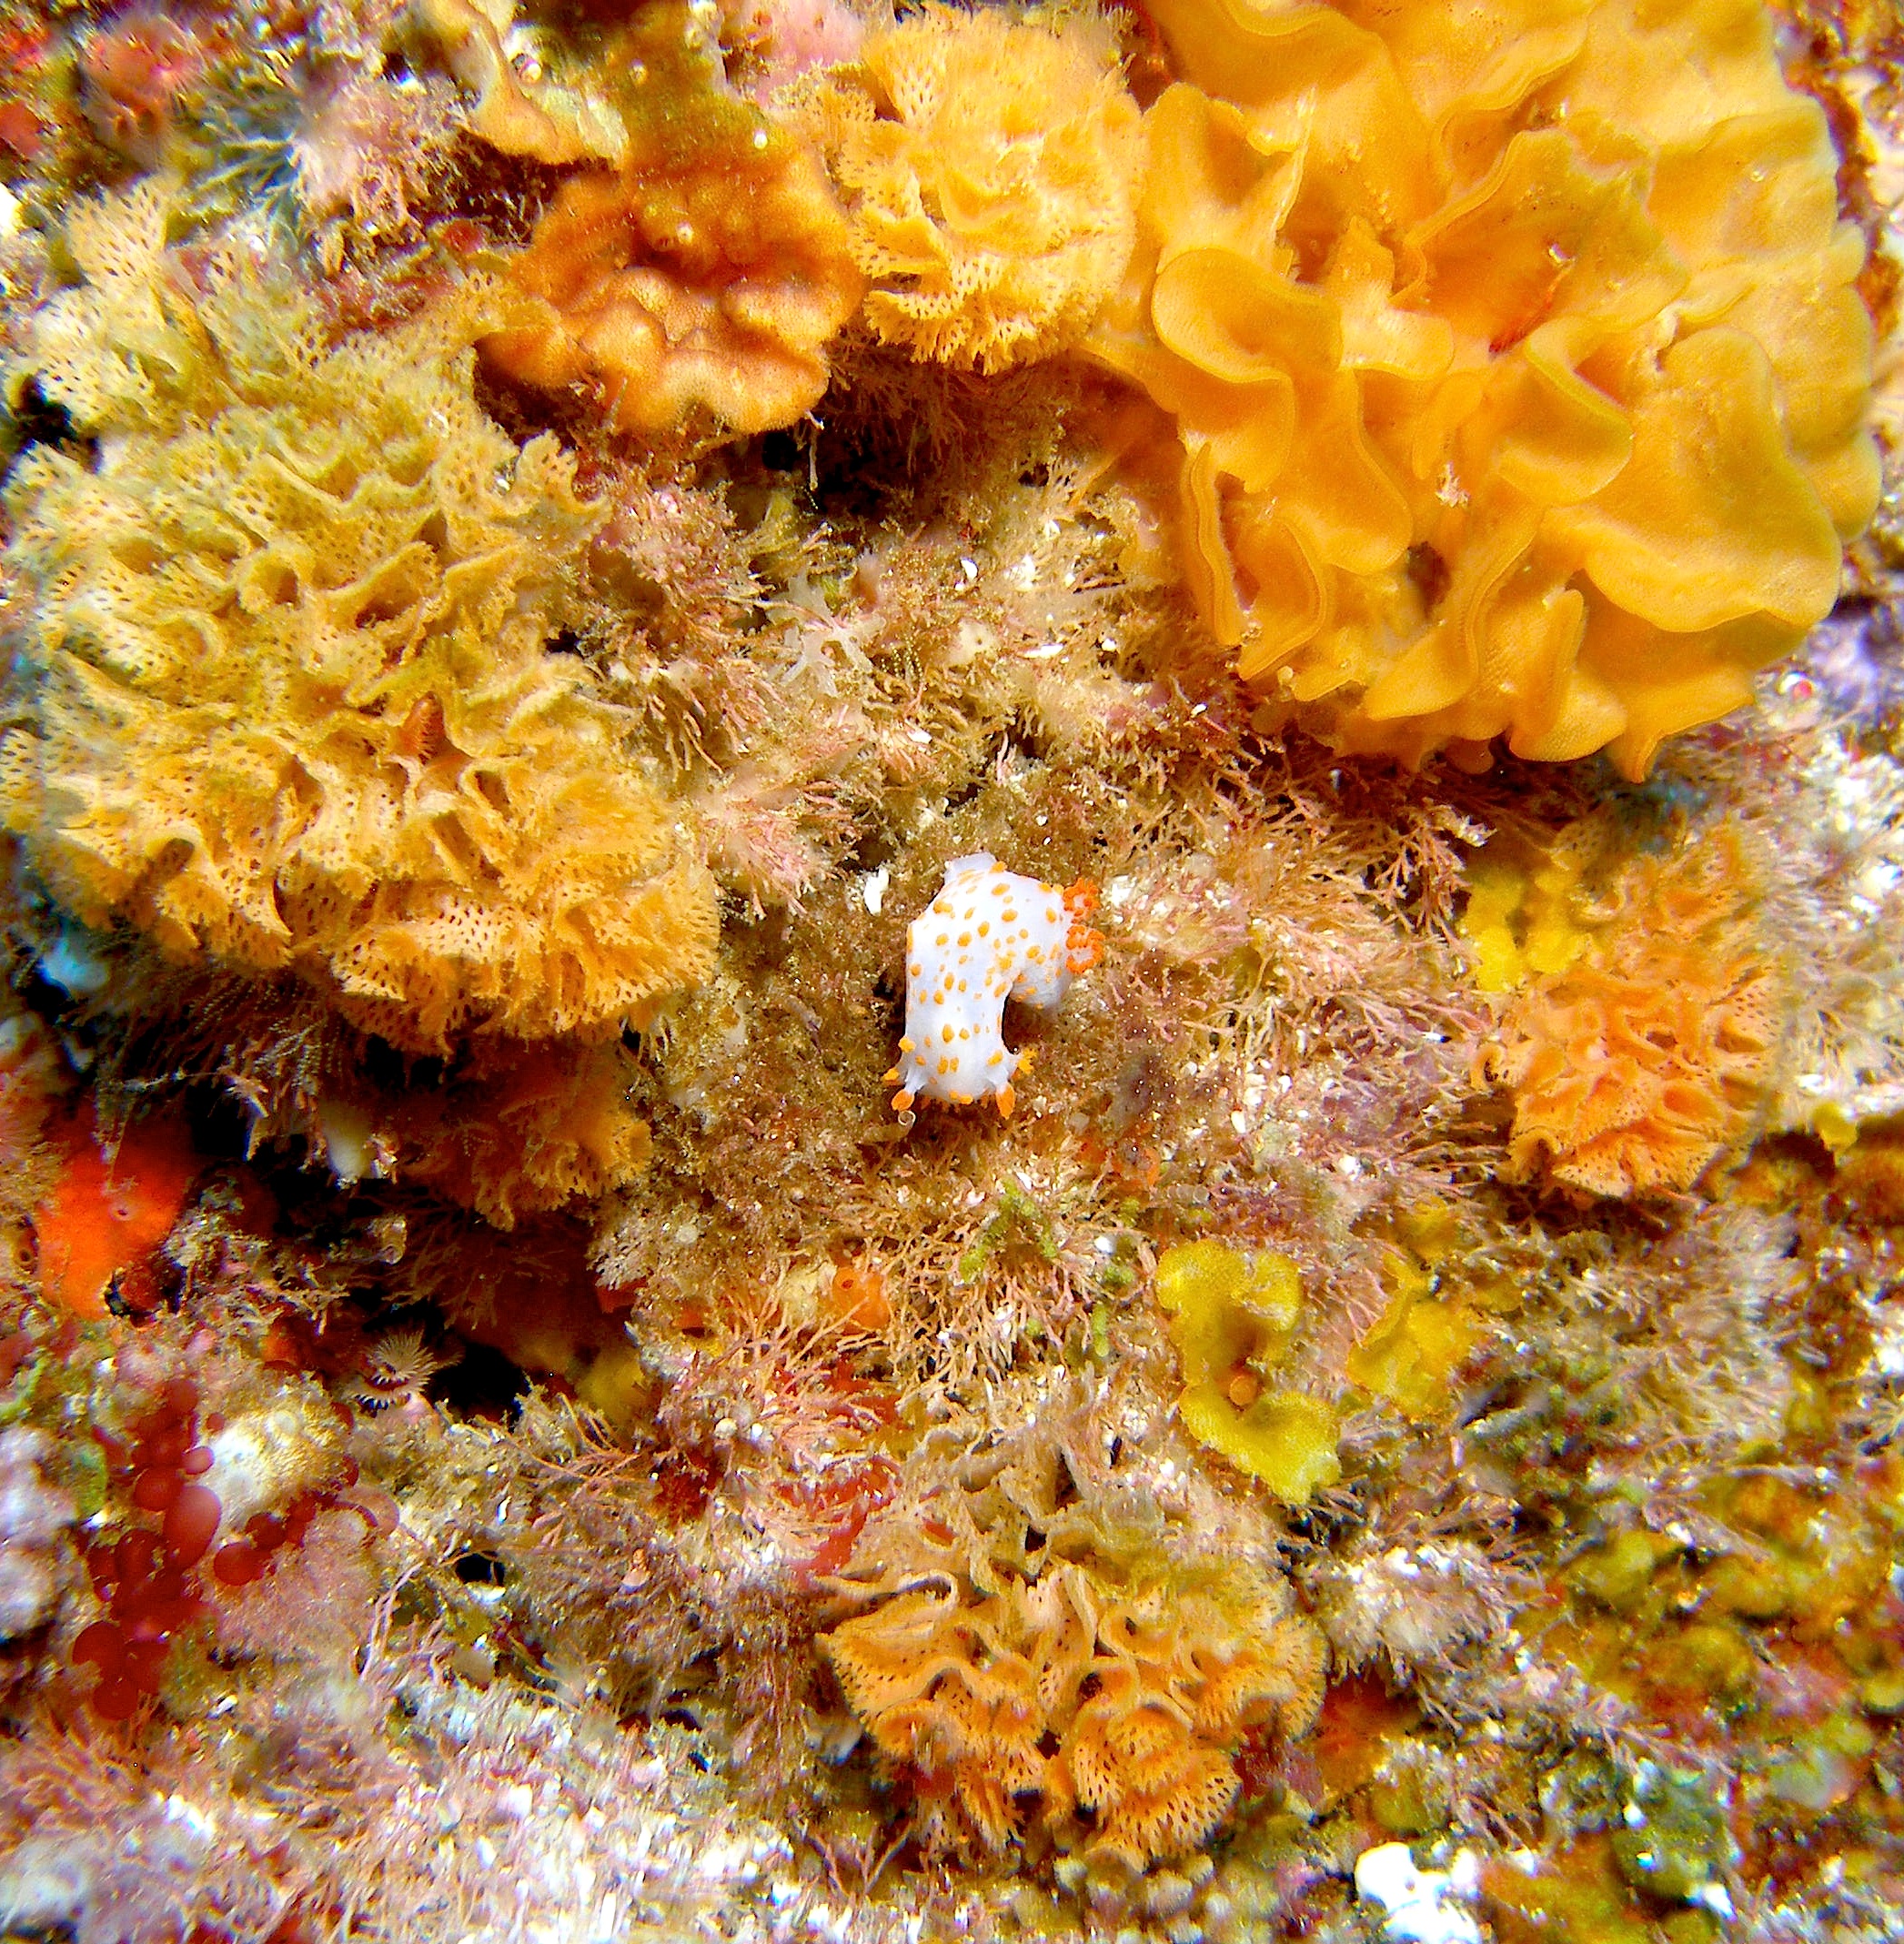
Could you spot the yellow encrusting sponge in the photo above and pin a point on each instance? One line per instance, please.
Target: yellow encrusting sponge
(1232, 1317)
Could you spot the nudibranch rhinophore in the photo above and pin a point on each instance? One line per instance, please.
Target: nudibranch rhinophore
(990, 936)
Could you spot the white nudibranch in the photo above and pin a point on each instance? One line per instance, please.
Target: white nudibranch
(990, 936)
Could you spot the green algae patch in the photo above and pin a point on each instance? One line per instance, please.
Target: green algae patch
(1673, 1841)
(1232, 1319)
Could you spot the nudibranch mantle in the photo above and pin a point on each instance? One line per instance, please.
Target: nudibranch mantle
(990, 936)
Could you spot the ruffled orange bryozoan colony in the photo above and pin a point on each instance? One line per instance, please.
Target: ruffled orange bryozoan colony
(1515, 367)
(288, 699)
(988, 168)
(1647, 1047)
(1113, 1710)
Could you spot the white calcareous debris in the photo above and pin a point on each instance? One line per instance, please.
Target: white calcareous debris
(33, 1515)
(1422, 1906)
(1414, 1603)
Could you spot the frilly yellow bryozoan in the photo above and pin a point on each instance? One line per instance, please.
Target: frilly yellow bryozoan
(988, 168)
(287, 703)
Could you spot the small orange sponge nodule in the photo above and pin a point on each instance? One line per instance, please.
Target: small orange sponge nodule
(701, 281)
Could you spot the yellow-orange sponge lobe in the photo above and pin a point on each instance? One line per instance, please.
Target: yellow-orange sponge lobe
(1514, 360)
(698, 283)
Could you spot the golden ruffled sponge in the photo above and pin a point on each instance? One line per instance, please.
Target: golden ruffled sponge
(288, 700)
(989, 170)
(1514, 356)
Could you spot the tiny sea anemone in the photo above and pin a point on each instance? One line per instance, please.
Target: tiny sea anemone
(1514, 357)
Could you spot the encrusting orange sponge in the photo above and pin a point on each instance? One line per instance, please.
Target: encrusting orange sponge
(1514, 357)
(286, 701)
(989, 170)
(702, 279)
(99, 1223)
